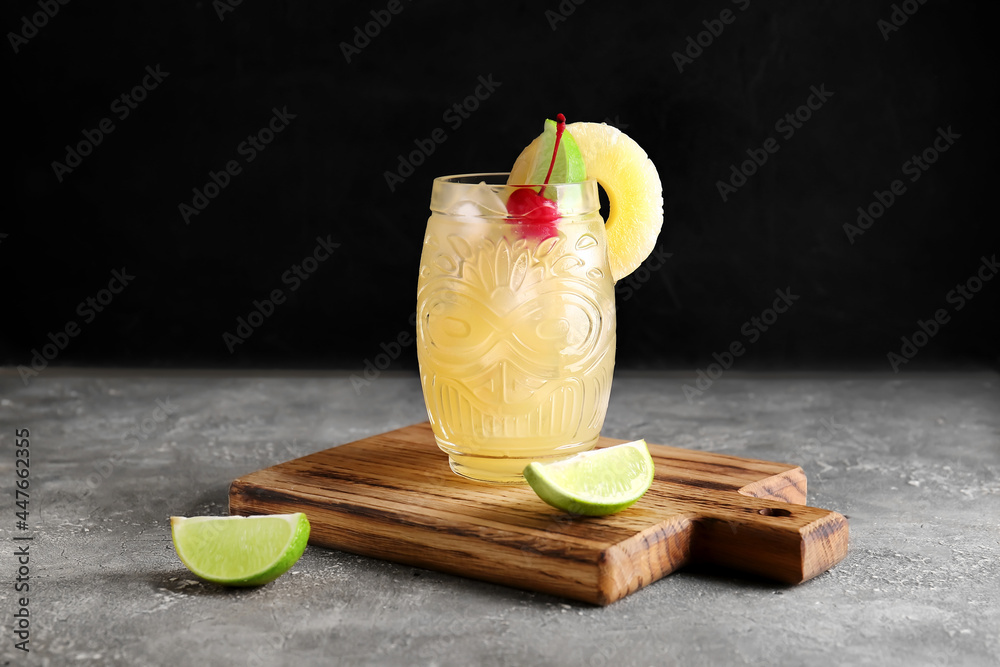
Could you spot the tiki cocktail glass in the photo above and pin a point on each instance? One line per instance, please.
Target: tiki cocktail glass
(515, 327)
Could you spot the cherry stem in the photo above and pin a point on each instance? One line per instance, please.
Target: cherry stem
(560, 126)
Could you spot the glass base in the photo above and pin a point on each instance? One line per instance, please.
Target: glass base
(504, 469)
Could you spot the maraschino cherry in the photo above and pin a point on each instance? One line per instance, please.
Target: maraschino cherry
(536, 214)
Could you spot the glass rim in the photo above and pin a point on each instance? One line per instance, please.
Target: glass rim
(477, 178)
(573, 199)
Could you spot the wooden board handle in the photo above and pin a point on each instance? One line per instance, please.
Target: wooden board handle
(781, 541)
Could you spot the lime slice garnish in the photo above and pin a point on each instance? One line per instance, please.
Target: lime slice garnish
(594, 483)
(533, 165)
(238, 550)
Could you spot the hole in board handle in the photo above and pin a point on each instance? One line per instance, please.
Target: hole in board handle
(772, 511)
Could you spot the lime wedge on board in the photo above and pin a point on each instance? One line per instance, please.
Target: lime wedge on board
(594, 483)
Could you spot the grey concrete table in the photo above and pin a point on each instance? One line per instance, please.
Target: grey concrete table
(912, 460)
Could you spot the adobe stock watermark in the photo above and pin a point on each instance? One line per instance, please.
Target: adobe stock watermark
(752, 330)
(958, 297)
(223, 7)
(565, 10)
(248, 149)
(914, 168)
(391, 351)
(786, 126)
(364, 34)
(626, 288)
(828, 428)
(696, 44)
(293, 277)
(900, 14)
(144, 428)
(121, 108)
(615, 122)
(86, 309)
(21, 547)
(454, 116)
(31, 24)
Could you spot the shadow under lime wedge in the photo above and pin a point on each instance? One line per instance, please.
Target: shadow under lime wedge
(238, 550)
(594, 483)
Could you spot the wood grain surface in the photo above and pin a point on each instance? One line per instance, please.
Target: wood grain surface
(393, 496)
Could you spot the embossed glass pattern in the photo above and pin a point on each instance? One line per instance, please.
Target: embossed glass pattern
(515, 333)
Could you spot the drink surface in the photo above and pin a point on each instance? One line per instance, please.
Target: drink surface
(516, 340)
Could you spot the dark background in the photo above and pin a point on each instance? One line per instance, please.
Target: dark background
(325, 174)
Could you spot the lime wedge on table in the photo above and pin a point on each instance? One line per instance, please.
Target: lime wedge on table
(594, 483)
(238, 550)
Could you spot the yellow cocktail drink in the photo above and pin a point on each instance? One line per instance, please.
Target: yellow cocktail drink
(515, 325)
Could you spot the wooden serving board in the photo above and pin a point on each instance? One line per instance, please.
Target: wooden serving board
(393, 496)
